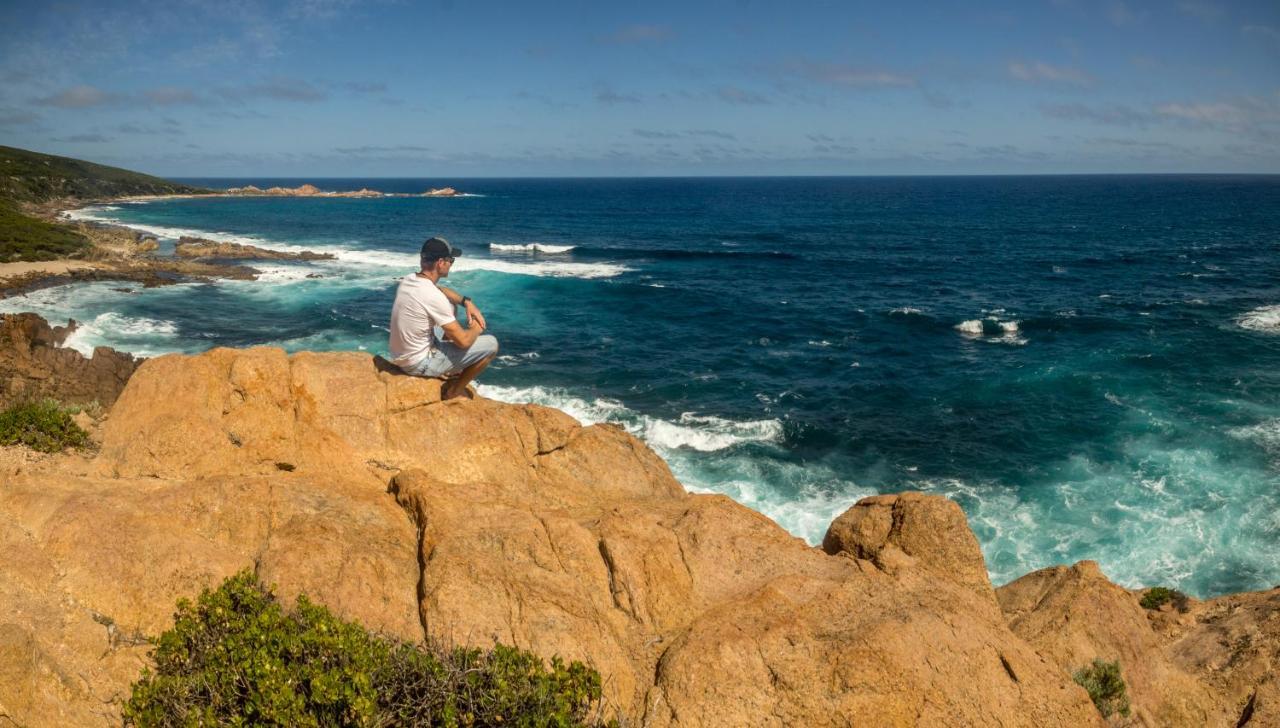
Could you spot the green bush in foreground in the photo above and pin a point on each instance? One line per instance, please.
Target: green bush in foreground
(41, 425)
(236, 657)
(1105, 685)
(1158, 596)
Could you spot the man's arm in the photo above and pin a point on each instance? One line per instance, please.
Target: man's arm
(473, 311)
(464, 338)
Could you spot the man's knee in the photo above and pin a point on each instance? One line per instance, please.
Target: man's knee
(486, 345)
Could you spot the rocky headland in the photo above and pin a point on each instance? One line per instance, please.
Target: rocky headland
(472, 521)
(310, 190)
(189, 247)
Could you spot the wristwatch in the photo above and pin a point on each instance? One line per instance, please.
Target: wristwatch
(464, 300)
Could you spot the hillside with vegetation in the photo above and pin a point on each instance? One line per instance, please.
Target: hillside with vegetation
(31, 178)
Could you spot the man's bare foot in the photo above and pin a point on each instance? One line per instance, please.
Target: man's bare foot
(450, 390)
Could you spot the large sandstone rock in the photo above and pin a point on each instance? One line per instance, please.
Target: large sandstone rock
(909, 530)
(33, 364)
(470, 521)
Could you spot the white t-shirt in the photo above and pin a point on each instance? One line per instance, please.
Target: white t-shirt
(419, 308)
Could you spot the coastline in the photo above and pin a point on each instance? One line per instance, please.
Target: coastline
(108, 260)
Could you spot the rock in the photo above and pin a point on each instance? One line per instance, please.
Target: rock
(472, 521)
(1074, 614)
(188, 247)
(1232, 646)
(33, 364)
(441, 192)
(912, 530)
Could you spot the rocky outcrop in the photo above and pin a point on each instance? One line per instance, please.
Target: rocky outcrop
(471, 521)
(1212, 665)
(306, 190)
(34, 365)
(188, 247)
(309, 190)
(911, 530)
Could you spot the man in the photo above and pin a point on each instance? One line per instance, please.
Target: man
(426, 338)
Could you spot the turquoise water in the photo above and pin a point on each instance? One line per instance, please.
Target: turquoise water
(1089, 365)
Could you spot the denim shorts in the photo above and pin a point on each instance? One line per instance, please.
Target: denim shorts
(447, 359)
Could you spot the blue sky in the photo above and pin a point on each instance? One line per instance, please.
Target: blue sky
(441, 89)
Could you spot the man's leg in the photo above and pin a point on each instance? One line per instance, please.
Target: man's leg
(481, 353)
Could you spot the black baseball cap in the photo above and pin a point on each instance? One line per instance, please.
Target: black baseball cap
(436, 248)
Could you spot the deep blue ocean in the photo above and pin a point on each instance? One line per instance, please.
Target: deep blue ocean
(1090, 366)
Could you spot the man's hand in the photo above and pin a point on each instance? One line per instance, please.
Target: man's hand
(474, 317)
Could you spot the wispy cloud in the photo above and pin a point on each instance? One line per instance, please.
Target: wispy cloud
(639, 33)
(735, 95)
(1038, 71)
(712, 133)
(652, 134)
(1121, 15)
(168, 129)
(17, 117)
(365, 87)
(1112, 114)
(276, 89)
(171, 96)
(83, 139)
(397, 149)
(1264, 32)
(1254, 117)
(688, 133)
(79, 97)
(609, 97)
(1201, 10)
(848, 76)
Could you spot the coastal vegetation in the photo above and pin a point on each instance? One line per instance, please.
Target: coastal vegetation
(41, 425)
(27, 176)
(1105, 685)
(237, 657)
(24, 238)
(31, 178)
(1158, 596)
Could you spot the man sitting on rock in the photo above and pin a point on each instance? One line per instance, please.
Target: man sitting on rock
(426, 338)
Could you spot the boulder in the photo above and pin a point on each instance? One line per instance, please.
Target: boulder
(912, 530)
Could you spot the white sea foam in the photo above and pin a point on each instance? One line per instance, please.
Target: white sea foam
(135, 334)
(379, 258)
(1265, 319)
(703, 433)
(986, 330)
(906, 311)
(530, 248)
(1266, 434)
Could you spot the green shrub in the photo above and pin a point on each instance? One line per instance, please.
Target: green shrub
(1105, 685)
(1158, 596)
(24, 238)
(41, 425)
(236, 657)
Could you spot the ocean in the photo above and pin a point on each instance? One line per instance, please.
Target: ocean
(1090, 366)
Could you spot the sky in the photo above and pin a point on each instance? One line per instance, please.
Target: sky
(340, 88)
